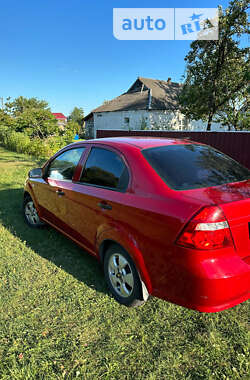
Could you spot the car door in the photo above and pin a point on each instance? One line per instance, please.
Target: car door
(53, 190)
(98, 192)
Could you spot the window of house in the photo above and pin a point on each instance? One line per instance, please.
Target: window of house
(105, 168)
(126, 120)
(63, 166)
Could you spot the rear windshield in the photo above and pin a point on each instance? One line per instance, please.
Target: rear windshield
(193, 166)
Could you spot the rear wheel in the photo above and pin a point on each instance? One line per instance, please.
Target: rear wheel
(30, 213)
(122, 277)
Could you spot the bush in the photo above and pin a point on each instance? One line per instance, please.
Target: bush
(40, 148)
(15, 141)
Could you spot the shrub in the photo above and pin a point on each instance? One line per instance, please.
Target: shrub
(40, 148)
(15, 141)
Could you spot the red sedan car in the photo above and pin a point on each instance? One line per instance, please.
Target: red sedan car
(165, 217)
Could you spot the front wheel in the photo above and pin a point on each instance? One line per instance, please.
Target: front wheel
(122, 277)
(30, 213)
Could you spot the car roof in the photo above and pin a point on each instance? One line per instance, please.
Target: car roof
(138, 141)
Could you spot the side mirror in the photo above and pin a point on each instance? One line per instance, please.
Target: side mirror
(35, 173)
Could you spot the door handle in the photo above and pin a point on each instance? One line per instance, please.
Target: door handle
(105, 206)
(60, 192)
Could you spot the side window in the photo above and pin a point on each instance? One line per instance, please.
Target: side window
(63, 166)
(105, 168)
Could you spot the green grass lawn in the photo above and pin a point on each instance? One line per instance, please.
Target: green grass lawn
(58, 321)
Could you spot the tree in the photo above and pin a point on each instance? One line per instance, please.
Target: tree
(37, 123)
(217, 70)
(21, 104)
(77, 115)
(71, 128)
(245, 123)
(234, 113)
(6, 120)
(30, 116)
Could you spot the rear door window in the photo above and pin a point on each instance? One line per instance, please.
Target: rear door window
(105, 168)
(193, 166)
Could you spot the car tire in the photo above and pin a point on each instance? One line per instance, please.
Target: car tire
(122, 277)
(30, 213)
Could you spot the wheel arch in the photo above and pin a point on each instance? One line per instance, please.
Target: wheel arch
(105, 244)
(26, 194)
(130, 247)
(30, 194)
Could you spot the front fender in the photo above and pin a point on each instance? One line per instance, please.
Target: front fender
(119, 235)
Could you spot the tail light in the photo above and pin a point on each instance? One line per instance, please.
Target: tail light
(208, 229)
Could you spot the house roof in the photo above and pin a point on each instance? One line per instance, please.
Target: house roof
(144, 94)
(59, 115)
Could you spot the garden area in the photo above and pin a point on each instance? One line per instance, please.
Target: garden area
(58, 320)
(28, 126)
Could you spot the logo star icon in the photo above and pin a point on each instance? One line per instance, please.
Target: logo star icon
(195, 17)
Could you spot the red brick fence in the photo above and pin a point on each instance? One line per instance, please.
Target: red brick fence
(235, 144)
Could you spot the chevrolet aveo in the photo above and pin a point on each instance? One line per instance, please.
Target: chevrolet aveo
(165, 217)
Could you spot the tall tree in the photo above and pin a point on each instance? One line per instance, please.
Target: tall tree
(217, 70)
(77, 116)
(235, 113)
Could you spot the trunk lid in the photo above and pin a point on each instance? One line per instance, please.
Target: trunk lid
(234, 199)
(238, 216)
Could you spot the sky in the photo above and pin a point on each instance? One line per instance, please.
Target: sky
(65, 52)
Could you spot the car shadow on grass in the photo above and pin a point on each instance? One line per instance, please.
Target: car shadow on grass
(50, 244)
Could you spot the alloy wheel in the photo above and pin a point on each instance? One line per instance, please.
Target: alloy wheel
(120, 275)
(31, 213)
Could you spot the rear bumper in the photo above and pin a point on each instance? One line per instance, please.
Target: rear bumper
(210, 304)
(210, 285)
(221, 307)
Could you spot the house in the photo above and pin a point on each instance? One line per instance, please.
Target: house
(61, 119)
(148, 104)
